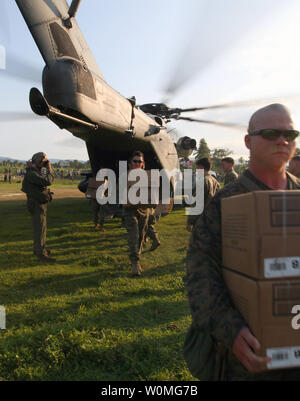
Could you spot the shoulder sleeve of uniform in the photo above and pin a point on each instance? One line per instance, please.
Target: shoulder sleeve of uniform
(295, 180)
(34, 177)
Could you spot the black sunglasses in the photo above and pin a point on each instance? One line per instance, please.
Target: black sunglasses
(138, 161)
(273, 134)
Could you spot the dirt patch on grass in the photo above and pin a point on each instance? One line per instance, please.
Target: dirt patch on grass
(59, 193)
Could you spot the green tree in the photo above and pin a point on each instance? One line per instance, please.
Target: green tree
(241, 165)
(203, 150)
(216, 156)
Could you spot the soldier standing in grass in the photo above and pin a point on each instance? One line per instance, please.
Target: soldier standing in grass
(135, 220)
(271, 140)
(210, 187)
(99, 215)
(35, 185)
(230, 174)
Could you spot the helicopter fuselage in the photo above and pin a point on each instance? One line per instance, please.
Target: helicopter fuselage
(76, 96)
(120, 126)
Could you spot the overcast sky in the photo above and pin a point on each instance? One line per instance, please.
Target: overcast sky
(213, 51)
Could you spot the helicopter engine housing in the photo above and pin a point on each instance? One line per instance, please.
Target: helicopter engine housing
(185, 146)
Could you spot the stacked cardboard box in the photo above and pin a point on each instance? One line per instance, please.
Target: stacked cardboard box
(146, 191)
(261, 260)
(92, 188)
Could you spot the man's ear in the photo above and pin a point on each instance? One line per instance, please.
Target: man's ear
(247, 140)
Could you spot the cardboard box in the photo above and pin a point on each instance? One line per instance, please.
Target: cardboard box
(150, 188)
(261, 234)
(266, 306)
(92, 188)
(162, 209)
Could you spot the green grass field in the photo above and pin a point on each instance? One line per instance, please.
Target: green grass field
(58, 182)
(85, 317)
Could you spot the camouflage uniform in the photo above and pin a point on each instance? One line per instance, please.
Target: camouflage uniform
(135, 220)
(211, 307)
(211, 186)
(151, 232)
(230, 176)
(34, 185)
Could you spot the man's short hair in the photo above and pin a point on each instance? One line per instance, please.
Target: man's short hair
(228, 160)
(138, 154)
(271, 108)
(205, 162)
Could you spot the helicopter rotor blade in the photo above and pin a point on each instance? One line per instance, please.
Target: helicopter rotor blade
(219, 123)
(195, 55)
(204, 44)
(14, 66)
(243, 103)
(4, 24)
(21, 70)
(17, 116)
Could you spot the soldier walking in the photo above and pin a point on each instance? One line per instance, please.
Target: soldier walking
(135, 220)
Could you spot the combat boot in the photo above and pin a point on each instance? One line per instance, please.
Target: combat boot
(155, 244)
(136, 269)
(46, 250)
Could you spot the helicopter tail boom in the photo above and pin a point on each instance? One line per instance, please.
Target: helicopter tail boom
(55, 38)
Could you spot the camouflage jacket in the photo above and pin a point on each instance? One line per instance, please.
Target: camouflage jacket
(209, 299)
(211, 186)
(230, 176)
(35, 184)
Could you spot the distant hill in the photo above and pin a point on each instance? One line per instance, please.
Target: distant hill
(3, 158)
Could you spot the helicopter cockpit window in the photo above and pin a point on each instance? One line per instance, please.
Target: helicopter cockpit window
(64, 45)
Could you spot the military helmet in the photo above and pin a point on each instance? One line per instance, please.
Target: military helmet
(37, 158)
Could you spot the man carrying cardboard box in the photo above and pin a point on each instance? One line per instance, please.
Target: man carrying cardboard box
(135, 220)
(227, 342)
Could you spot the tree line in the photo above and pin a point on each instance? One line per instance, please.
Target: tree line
(217, 154)
(65, 164)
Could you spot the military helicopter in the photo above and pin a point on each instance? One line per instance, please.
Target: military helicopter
(77, 98)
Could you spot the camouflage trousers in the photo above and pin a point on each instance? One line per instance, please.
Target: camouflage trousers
(39, 224)
(151, 232)
(98, 212)
(135, 221)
